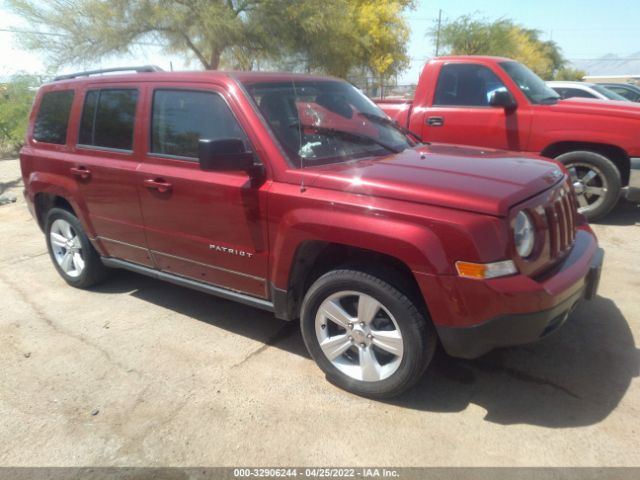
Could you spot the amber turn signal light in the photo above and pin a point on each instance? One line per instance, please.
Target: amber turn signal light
(483, 271)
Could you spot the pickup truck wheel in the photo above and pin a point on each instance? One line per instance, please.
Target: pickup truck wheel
(596, 181)
(365, 335)
(74, 257)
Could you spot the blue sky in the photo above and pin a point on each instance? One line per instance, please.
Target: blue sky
(584, 29)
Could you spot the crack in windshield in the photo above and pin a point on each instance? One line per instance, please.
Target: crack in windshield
(347, 135)
(326, 121)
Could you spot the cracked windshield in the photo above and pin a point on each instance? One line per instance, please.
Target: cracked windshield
(326, 121)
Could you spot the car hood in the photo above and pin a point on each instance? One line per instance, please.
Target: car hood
(485, 181)
(598, 107)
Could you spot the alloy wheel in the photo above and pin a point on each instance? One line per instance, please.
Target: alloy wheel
(590, 185)
(67, 248)
(359, 336)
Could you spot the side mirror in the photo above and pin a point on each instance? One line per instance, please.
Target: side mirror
(227, 154)
(503, 99)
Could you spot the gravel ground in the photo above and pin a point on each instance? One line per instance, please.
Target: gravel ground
(141, 373)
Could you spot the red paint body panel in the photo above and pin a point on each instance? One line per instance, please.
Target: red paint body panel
(427, 207)
(529, 128)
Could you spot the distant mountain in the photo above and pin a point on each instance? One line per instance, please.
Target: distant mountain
(610, 65)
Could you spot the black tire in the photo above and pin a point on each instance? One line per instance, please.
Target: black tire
(418, 334)
(94, 270)
(609, 171)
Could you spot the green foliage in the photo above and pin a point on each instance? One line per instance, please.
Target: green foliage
(570, 74)
(330, 36)
(467, 35)
(338, 36)
(16, 97)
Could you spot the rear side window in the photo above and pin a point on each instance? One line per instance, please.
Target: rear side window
(181, 118)
(108, 118)
(53, 117)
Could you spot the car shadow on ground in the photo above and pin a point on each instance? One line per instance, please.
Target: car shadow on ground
(575, 377)
(625, 213)
(5, 186)
(234, 317)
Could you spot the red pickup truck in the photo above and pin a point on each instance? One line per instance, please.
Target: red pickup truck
(297, 195)
(498, 103)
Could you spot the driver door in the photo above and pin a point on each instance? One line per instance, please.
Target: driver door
(461, 113)
(205, 225)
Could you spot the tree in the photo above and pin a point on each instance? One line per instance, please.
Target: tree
(570, 74)
(504, 38)
(83, 30)
(16, 97)
(468, 36)
(384, 35)
(329, 36)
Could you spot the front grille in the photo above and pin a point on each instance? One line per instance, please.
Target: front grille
(560, 214)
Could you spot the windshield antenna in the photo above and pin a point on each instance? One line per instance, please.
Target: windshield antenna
(299, 126)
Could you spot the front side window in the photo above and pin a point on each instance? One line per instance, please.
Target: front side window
(531, 85)
(108, 118)
(53, 117)
(325, 121)
(180, 118)
(466, 85)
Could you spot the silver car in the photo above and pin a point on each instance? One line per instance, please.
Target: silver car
(584, 90)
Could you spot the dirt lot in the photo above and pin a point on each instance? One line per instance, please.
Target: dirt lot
(139, 372)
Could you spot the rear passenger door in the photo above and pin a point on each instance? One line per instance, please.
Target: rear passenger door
(105, 161)
(209, 226)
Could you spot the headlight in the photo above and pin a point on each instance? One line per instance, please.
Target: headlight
(524, 234)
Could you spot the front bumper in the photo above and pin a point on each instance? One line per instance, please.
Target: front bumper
(549, 304)
(518, 329)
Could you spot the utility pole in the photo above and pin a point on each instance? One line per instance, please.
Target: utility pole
(438, 33)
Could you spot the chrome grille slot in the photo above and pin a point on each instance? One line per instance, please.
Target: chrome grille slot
(552, 223)
(555, 217)
(569, 217)
(562, 225)
(561, 219)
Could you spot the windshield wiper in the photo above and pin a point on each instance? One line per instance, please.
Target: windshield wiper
(355, 137)
(388, 122)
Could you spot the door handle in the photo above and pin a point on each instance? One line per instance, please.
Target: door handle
(435, 121)
(81, 172)
(158, 184)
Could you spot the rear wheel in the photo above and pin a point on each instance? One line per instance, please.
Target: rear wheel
(72, 254)
(365, 335)
(596, 181)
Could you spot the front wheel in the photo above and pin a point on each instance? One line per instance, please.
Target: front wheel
(596, 181)
(366, 336)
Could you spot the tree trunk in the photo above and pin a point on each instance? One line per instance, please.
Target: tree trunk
(214, 61)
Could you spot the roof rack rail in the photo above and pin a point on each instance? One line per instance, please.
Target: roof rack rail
(141, 69)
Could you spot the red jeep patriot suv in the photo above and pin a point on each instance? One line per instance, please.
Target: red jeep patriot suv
(296, 194)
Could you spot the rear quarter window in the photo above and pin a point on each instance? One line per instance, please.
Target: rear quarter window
(52, 120)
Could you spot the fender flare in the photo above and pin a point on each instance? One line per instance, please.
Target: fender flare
(61, 186)
(413, 245)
